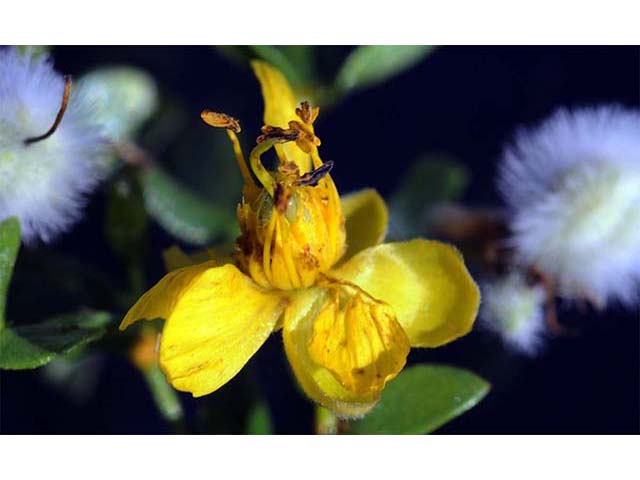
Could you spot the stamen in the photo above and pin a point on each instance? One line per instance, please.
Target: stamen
(314, 176)
(270, 137)
(287, 253)
(315, 158)
(278, 135)
(306, 139)
(266, 248)
(56, 122)
(222, 120)
(306, 113)
(261, 173)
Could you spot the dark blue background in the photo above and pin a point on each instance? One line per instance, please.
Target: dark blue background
(463, 100)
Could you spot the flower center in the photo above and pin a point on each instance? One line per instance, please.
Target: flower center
(291, 221)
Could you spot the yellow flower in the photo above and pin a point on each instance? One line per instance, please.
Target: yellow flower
(311, 264)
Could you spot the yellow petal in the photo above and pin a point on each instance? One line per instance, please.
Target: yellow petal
(425, 282)
(279, 109)
(366, 220)
(359, 340)
(216, 318)
(316, 381)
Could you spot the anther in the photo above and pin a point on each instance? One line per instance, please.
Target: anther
(306, 113)
(279, 135)
(314, 176)
(220, 120)
(56, 122)
(306, 139)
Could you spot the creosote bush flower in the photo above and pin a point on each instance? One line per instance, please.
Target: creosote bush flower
(573, 189)
(310, 264)
(515, 311)
(45, 171)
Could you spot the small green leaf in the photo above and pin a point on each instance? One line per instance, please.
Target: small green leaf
(434, 178)
(31, 346)
(421, 399)
(123, 98)
(9, 246)
(372, 64)
(183, 213)
(259, 420)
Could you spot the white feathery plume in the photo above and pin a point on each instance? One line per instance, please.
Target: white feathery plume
(572, 186)
(515, 311)
(44, 183)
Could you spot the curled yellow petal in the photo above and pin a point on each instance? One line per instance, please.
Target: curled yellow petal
(425, 282)
(280, 105)
(216, 318)
(317, 381)
(359, 340)
(366, 218)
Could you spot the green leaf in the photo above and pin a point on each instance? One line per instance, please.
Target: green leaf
(435, 178)
(421, 399)
(183, 213)
(31, 346)
(259, 420)
(9, 246)
(372, 64)
(123, 98)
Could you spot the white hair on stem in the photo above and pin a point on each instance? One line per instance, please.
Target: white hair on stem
(572, 186)
(44, 183)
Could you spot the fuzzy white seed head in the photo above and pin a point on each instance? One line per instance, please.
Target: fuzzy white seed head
(44, 183)
(514, 310)
(573, 190)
